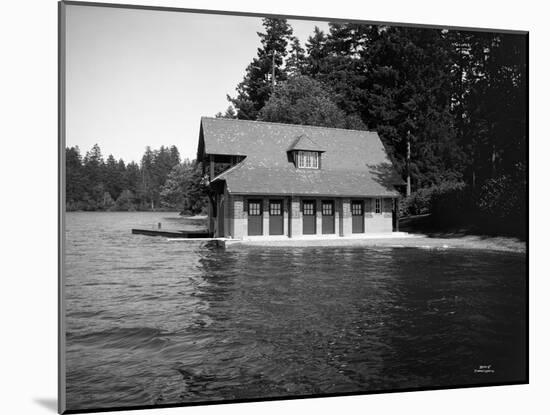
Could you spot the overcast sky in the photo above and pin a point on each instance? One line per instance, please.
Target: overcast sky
(140, 77)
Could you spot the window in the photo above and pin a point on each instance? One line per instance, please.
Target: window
(308, 159)
(254, 207)
(327, 208)
(275, 208)
(377, 205)
(309, 208)
(357, 208)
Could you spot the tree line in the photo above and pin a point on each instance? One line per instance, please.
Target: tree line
(457, 99)
(161, 181)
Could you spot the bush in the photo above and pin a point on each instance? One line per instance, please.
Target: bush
(427, 199)
(499, 197)
(501, 203)
(418, 203)
(453, 205)
(497, 207)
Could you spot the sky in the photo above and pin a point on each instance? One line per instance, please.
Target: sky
(139, 77)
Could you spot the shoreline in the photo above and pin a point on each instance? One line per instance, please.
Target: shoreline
(474, 242)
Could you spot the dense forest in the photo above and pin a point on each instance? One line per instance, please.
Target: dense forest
(160, 182)
(455, 101)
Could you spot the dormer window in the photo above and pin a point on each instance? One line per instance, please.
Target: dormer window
(305, 153)
(307, 159)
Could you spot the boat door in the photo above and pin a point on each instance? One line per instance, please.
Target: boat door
(276, 217)
(327, 210)
(255, 217)
(309, 217)
(357, 217)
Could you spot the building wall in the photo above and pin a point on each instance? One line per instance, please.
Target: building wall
(378, 222)
(236, 218)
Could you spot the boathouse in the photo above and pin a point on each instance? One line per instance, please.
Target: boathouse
(272, 180)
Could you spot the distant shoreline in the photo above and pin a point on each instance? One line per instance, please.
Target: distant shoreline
(176, 212)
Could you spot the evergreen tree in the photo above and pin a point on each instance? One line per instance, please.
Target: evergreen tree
(94, 165)
(146, 187)
(489, 101)
(316, 53)
(94, 172)
(229, 113)
(255, 89)
(343, 69)
(122, 178)
(162, 164)
(74, 178)
(183, 189)
(407, 97)
(133, 177)
(296, 61)
(114, 177)
(175, 158)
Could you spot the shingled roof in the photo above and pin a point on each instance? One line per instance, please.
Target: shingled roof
(354, 163)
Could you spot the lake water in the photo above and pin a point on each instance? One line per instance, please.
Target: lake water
(150, 321)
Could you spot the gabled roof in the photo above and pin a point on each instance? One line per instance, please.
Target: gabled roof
(354, 163)
(305, 143)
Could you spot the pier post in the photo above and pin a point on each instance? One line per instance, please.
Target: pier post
(295, 217)
(265, 218)
(286, 214)
(240, 225)
(346, 217)
(318, 217)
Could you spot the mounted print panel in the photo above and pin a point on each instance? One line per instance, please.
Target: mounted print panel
(262, 207)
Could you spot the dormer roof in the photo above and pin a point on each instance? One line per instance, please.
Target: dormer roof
(304, 143)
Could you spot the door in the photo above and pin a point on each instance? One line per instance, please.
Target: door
(309, 217)
(255, 217)
(276, 217)
(327, 210)
(357, 217)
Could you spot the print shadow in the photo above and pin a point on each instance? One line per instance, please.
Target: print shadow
(48, 403)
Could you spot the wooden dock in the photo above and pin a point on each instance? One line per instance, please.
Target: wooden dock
(173, 234)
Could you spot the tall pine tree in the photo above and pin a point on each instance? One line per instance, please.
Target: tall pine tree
(257, 85)
(296, 61)
(316, 53)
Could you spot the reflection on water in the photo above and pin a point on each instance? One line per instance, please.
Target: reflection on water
(151, 321)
